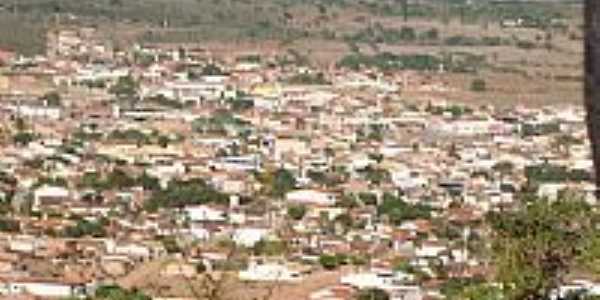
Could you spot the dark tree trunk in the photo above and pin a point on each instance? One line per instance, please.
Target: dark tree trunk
(592, 80)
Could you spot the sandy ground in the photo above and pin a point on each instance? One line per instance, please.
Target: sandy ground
(147, 278)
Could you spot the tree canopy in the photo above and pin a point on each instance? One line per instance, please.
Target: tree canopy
(536, 247)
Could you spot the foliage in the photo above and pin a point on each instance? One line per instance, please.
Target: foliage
(269, 248)
(296, 212)
(554, 173)
(329, 262)
(277, 183)
(478, 85)
(399, 211)
(170, 244)
(86, 228)
(51, 181)
(388, 61)
(125, 87)
(461, 40)
(130, 135)
(9, 225)
(164, 101)
(372, 294)
(536, 247)
(113, 292)
(212, 69)
(308, 79)
(528, 129)
(180, 193)
(118, 179)
(23, 138)
(52, 99)
(218, 123)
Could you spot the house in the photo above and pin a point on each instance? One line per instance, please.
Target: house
(269, 272)
(248, 237)
(204, 213)
(50, 196)
(132, 250)
(430, 249)
(311, 197)
(42, 287)
(382, 279)
(190, 91)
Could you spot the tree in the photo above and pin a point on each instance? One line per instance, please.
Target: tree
(537, 247)
(399, 211)
(126, 87)
(113, 292)
(52, 99)
(478, 85)
(592, 82)
(296, 212)
(372, 294)
(86, 228)
(23, 138)
(277, 183)
(329, 262)
(164, 141)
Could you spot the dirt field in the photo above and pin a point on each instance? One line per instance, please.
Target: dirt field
(147, 278)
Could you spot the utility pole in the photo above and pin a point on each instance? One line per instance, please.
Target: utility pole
(592, 81)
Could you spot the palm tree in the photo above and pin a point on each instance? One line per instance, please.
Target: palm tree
(592, 79)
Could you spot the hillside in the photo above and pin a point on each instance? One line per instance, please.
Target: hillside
(471, 38)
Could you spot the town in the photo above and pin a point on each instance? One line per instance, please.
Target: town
(170, 172)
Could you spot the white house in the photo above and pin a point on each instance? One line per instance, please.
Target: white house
(311, 197)
(269, 272)
(42, 287)
(248, 237)
(52, 195)
(130, 249)
(204, 213)
(375, 279)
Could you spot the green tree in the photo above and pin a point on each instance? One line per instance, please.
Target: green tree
(113, 292)
(279, 182)
(372, 294)
(126, 87)
(269, 248)
(148, 182)
(86, 228)
(399, 211)
(23, 138)
(296, 212)
(478, 85)
(536, 247)
(164, 141)
(52, 99)
(329, 262)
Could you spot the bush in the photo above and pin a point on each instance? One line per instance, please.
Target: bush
(296, 212)
(478, 85)
(399, 211)
(329, 262)
(373, 294)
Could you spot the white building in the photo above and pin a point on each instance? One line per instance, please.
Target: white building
(248, 237)
(204, 213)
(53, 195)
(269, 272)
(47, 288)
(375, 279)
(311, 197)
